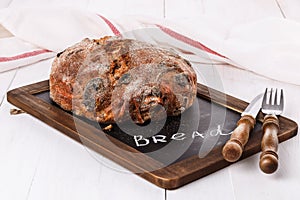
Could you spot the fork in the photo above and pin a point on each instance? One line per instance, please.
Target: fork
(269, 145)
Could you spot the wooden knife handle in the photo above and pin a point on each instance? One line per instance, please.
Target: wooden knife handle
(234, 147)
(269, 145)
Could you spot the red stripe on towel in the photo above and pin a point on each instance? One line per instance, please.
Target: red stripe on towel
(111, 26)
(187, 40)
(24, 55)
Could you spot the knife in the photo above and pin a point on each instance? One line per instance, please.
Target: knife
(234, 147)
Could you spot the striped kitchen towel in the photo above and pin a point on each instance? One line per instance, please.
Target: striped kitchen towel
(269, 46)
(41, 33)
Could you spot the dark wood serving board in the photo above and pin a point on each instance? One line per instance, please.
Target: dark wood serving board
(184, 149)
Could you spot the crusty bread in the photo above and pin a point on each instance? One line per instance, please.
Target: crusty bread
(114, 79)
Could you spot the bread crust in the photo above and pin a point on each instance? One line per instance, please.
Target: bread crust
(113, 79)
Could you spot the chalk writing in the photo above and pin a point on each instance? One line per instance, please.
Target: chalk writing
(142, 141)
(178, 136)
(197, 134)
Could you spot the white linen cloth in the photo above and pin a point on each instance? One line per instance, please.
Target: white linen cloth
(270, 47)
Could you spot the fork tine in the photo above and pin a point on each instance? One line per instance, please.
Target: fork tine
(281, 105)
(264, 101)
(271, 97)
(276, 98)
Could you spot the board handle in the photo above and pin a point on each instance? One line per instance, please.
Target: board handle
(234, 147)
(268, 162)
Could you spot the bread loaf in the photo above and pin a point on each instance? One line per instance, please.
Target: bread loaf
(113, 79)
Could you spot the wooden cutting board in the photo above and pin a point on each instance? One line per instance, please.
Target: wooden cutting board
(182, 149)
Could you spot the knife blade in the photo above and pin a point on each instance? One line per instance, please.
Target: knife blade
(234, 147)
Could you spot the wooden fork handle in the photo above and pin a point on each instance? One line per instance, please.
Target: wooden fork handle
(234, 147)
(269, 145)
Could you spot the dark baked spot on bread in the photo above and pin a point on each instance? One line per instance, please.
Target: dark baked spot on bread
(57, 55)
(90, 92)
(75, 52)
(181, 79)
(125, 79)
(187, 62)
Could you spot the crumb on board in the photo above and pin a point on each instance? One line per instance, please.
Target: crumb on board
(15, 111)
(108, 128)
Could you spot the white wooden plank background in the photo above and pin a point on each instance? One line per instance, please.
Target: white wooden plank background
(30, 152)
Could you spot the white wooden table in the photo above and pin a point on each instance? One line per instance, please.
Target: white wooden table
(38, 162)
